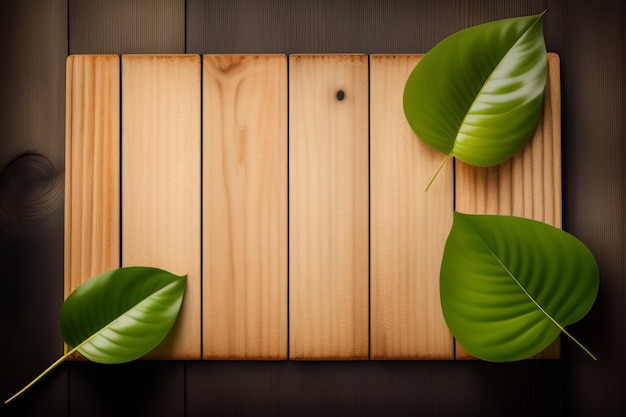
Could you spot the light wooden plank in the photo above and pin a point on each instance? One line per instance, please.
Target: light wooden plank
(161, 180)
(92, 175)
(328, 207)
(408, 226)
(528, 185)
(245, 207)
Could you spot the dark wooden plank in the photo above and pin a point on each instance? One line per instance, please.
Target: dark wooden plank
(373, 388)
(33, 46)
(126, 26)
(348, 26)
(591, 41)
(332, 26)
(139, 388)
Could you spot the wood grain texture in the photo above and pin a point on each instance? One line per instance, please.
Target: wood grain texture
(328, 207)
(126, 26)
(161, 181)
(33, 44)
(337, 26)
(527, 185)
(590, 39)
(33, 41)
(92, 168)
(408, 226)
(245, 207)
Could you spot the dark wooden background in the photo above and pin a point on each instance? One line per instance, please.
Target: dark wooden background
(37, 35)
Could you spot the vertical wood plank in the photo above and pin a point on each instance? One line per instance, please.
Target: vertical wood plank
(92, 168)
(591, 40)
(33, 44)
(408, 226)
(527, 185)
(328, 207)
(161, 180)
(245, 207)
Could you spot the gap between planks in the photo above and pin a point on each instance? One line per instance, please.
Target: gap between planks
(244, 189)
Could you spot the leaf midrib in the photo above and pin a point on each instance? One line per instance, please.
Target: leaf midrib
(116, 319)
(486, 81)
(530, 297)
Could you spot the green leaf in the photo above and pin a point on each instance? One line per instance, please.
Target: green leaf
(119, 316)
(510, 285)
(123, 314)
(477, 95)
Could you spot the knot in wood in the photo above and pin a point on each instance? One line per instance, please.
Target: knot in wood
(30, 190)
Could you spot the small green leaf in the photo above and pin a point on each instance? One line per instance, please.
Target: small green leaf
(119, 316)
(510, 285)
(477, 95)
(123, 314)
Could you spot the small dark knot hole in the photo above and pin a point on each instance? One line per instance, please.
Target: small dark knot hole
(341, 95)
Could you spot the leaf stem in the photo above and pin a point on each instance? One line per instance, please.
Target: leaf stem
(438, 170)
(578, 343)
(41, 375)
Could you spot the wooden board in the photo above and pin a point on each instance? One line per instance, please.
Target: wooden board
(409, 226)
(161, 180)
(328, 207)
(245, 207)
(92, 168)
(528, 185)
(358, 281)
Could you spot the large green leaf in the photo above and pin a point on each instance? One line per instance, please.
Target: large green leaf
(119, 316)
(477, 95)
(122, 314)
(509, 285)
